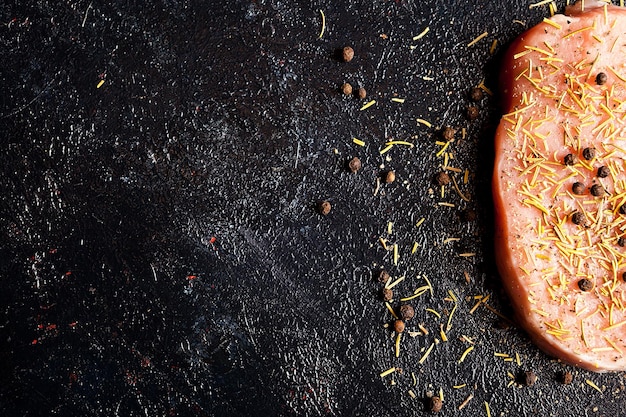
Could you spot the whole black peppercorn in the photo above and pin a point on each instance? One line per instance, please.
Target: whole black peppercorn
(406, 312)
(621, 241)
(389, 177)
(585, 285)
(347, 54)
(569, 159)
(597, 190)
(622, 209)
(398, 326)
(386, 294)
(604, 171)
(448, 133)
(361, 93)
(624, 276)
(442, 178)
(435, 404)
(383, 276)
(472, 112)
(323, 207)
(601, 78)
(354, 164)
(476, 94)
(567, 378)
(578, 188)
(589, 153)
(346, 89)
(529, 378)
(579, 218)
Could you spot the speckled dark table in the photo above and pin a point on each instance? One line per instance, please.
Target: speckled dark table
(160, 250)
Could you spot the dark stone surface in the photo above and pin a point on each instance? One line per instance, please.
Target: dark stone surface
(160, 251)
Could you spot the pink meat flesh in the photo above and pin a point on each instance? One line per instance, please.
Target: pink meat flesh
(554, 107)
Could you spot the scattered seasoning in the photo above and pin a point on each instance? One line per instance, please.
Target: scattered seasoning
(442, 178)
(589, 153)
(597, 190)
(421, 35)
(368, 104)
(529, 378)
(478, 38)
(347, 54)
(585, 285)
(487, 409)
(386, 294)
(358, 142)
(387, 372)
(389, 177)
(435, 404)
(323, 207)
(407, 312)
(412, 394)
(424, 122)
(448, 133)
(567, 378)
(578, 188)
(354, 164)
(603, 171)
(579, 218)
(601, 78)
(361, 93)
(476, 94)
(346, 88)
(398, 326)
(398, 100)
(465, 402)
(621, 241)
(383, 276)
(100, 84)
(472, 112)
(465, 353)
(622, 209)
(592, 385)
(569, 159)
(323, 25)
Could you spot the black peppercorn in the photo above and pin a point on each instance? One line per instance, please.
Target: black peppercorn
(346, 89)
(601, 78)
(383, 276)
(354, 164)
(624, 276)
(621, 242)
(472, 112)
(323, 207)
(448, 133)
(476, 94)
(389, 176)
(435, 404)
(406, 312)
(579, 218)
(604, 171)
(585, 285)
(361, 93)
(597, 190)
(386, 294)
(567, 378)
(578, 188)
(569, 159)
(529, 378)
(347, 54)
(589, 153)
(442, 178)
(622, 209)
(398, 326)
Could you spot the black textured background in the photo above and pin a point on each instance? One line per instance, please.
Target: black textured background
(160, 251)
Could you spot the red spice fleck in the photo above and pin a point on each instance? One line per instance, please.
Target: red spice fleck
(73, 324)
(213, 239)
(34, 342)
(191, 277)
(68, 273)
(51, 326)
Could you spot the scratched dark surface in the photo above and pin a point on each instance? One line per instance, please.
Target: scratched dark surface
(160, 250)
